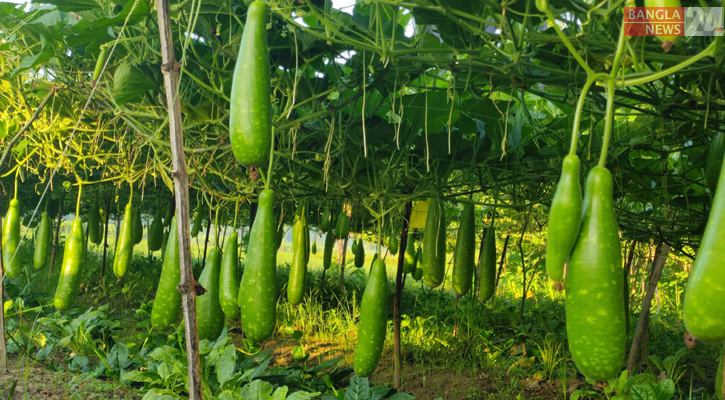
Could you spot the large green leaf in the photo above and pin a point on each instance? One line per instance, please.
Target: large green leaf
(130, 82)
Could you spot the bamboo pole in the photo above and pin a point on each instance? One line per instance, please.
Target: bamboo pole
(188, 285)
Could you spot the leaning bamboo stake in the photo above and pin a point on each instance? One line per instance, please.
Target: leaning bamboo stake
(188, 285)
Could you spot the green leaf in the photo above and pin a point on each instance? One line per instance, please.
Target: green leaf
(359, 389)
(140, 11)
(141, 376)
(257, 390)
(130, 83)
(71, 5)
(642, 392)
(280, 393)
(28, 62)
(225, 364)
(229, 395)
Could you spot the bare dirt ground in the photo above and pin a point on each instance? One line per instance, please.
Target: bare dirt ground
(42, 384)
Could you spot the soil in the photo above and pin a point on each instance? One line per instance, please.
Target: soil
(43, 384)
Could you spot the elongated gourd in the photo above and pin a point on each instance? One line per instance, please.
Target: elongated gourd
(329, 247)
(409, 263)
(714, 161)
(156, 232)
(229, 280)
(359, 254)
(167, 303)
(198, 220)
(595, 318)
(298, 270)
(393, 243)
(418, 271)
(313, 249)
(250, 121)
(137, 227)
(11, 240)
(209, 314)
(326, 222)
(705, 291)
(94, 226)
(42, 242)
(669, 41)
(124, 249)
(373, 321)
(565, 216)
(464, 260)
(258, 291)
(343, 225)
(164, 244)
(487, 272)
(71, 270)
(434, 245)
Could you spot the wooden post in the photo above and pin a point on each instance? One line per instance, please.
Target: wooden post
(399, 292)
(663, 250)
(55, 240)
(105, 240)
(188, 285)
(3, 347)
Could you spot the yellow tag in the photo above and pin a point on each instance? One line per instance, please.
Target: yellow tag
(419, 215)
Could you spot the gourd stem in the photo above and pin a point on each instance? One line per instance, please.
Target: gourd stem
(579, 108)
(608, 122)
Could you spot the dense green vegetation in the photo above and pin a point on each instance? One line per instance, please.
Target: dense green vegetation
(512, 199)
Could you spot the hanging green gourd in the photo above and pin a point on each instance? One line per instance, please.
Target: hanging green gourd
(137, 227)
(74, 257)
(393, 243)
(94, 231)
(167, 303)
(156, 232)
(258, 290)
(464, 261)
(43, 237)
(373, 321)
(250, 122)
(343, 225)
(313, 248)
(124, 248)
(409, 263)
(359, 254)
(595, 321)
(229, 279)
(326, 221)
(11, 240)
(434, 244)
(298, 269)
(329, 247)
(209, 314)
